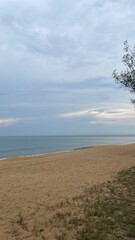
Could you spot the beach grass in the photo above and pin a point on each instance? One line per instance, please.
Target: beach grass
(102, 212)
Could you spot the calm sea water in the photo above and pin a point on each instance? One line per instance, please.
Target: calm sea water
(23, 146)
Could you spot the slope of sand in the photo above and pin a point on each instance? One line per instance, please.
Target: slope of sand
(47, 179)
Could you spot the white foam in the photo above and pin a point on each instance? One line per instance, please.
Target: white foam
(3, 159)
(36, 155)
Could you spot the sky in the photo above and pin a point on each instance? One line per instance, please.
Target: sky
(56, 64)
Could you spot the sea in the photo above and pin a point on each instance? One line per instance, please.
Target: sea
(36, 145)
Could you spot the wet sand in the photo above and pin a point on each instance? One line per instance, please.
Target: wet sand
(47, 179)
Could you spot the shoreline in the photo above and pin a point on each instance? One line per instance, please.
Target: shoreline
(48, 153)
(37, 155)
(12, 147)
(64, 151)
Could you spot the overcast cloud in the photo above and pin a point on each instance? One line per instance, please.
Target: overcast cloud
(56, 64)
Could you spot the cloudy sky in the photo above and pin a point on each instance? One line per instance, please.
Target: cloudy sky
(56, 64)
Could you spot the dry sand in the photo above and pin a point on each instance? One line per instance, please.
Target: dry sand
(26, 183)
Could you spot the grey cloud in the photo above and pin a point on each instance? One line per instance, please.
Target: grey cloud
(77, 33)
(58, 56)
(7, 20)
(57, 42)
(91, 83)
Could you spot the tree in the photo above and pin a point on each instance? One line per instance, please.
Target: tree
(126, 78)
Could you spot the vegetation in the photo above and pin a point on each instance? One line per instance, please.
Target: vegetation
(127, 78)
(103, 212)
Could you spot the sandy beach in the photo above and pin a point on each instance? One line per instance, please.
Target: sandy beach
(30, 182)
